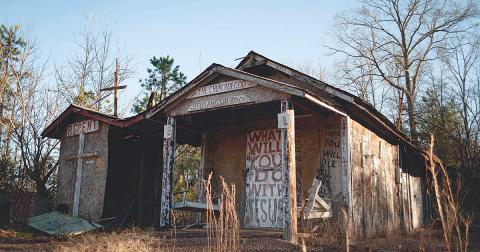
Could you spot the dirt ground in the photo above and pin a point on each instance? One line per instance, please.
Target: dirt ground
(21, 238)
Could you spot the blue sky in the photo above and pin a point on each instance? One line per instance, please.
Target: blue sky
(195, 33)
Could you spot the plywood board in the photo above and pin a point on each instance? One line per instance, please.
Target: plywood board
(264, 182)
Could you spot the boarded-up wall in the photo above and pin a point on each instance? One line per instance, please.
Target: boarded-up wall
(376, 203)
(329, 171)
(94, 174)
(381, 205)
(226, 153)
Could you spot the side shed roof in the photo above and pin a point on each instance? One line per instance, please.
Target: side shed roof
(53, 129)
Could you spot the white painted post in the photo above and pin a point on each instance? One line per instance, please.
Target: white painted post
(201, 172)
(289, 174)
(166, 199)
(78, 180)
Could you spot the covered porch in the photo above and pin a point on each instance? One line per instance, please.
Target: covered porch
(283, 156)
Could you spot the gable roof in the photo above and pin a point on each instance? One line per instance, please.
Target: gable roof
(52, 130)
(216, 70)
(306, 86)
(319, 88)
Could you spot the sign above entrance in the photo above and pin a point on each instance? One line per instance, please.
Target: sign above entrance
(82, 127)
(220, 102)
(221, 87)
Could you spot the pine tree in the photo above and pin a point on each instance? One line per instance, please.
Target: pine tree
(163, 79)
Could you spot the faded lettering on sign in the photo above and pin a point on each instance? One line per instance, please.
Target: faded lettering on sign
(221, 88)
(331, 156)
(220, 102)
(264, 182)
(82, 127)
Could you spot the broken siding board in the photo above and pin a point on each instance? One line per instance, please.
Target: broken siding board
(417, 202)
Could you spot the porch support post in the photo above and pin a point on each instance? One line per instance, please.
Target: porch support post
(166, 199)
(346, 164)
(289, 172)
(201, 174)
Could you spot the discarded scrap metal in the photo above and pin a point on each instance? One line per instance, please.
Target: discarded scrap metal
(60, 224)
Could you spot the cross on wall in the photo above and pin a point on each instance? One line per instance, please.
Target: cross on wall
(78, 178)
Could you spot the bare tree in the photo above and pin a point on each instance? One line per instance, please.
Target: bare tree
(29, 109)
(461, 60)
(398, 38)
(368, 87)
(92, 68)
(38, 156)
(12, 51)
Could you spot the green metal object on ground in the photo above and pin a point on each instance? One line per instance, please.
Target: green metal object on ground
(60, 224)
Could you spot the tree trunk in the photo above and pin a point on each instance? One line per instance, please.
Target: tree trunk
(42, 202)
(412, 120)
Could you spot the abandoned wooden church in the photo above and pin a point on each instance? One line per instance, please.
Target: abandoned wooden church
(295, 148)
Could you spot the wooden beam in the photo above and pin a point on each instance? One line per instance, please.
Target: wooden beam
(289, 175)
(78, 180)
(253, 64)
(280, 86)
(141, 168)
(201, 172)
(166, 201)
(113, 88)
(346, 164)
(323, 104)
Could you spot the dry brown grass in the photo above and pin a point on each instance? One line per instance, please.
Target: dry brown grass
(127, 240)
(223, 229)
(449, 197)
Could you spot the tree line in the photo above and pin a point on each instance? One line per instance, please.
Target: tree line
(414, 60)
(29, 102)
(417, 61)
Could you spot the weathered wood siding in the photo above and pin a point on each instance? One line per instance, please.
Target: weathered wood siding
(92, 190)
(329, 170)
(382, 206)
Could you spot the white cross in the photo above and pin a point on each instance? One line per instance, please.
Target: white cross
(78, 181)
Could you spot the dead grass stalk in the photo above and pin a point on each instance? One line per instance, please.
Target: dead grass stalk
(223, 229)
(455, 224)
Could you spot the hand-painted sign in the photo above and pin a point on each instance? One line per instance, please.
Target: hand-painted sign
(264, 187)
(331, 156)
(221, 87)
(220, 102)
(82, 127)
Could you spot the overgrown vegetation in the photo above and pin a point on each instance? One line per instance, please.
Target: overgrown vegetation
(415, 60)
(223, 228)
